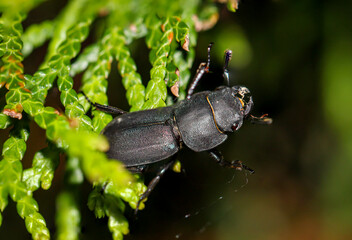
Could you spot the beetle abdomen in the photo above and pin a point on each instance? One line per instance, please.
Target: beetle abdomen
(141, 145)
(142, 137)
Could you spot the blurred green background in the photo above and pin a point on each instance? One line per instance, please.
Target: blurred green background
(296, 58)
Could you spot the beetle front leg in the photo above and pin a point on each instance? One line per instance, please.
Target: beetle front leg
(105, 108)
(154, 182)
(237, 164)
(203, 68)
(228, 55)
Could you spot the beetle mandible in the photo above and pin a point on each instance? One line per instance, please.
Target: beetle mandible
(201, 122)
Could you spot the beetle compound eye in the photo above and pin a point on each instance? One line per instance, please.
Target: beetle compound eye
(236, 126)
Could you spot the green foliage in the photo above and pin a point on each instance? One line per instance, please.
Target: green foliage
(68, 216)
(169, 32)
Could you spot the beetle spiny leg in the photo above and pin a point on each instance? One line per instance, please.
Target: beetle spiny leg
(200, 72)
(218, 157)
(203, 68)
(154, 182)
(209, 48)
(238, 165)
(104, 108)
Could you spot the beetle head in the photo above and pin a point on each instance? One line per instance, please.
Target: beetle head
(244, 96)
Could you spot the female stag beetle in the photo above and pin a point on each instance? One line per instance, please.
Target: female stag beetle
(201, 122)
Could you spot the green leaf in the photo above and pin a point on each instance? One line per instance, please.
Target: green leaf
(57, 128)
(75, 109)
(135, 30)
(3, 194)
(14, 148)
(156, 89)
(100, 120)
(89, 55)
(172, 74)
(118, 225)
(46, 117)
(181, 29)
(18, 190)
(68, 216)
(35, 224)
(27, 206)
(74, 174)
(68, 97)
(96, 202)
(36, 35)
(31, 179)
(64, 83)
(33, 107)
(154, 34)
(44, 165)
(135, 96)
(5, 121)
(232, 5)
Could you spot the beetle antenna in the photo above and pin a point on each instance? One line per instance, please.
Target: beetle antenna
(228, 55)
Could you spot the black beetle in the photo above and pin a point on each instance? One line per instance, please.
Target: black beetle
(201, 122)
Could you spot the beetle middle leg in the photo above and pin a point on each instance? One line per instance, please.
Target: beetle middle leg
(155, 181)
(137, 169)
(218, 157)
(105, 108)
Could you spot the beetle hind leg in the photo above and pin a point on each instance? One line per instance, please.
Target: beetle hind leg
(155, 181)
(105, 108)
(137, 169)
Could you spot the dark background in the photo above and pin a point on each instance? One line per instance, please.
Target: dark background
(296, 58)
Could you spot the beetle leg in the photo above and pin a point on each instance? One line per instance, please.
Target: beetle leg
(228, 55)
(137, 169)
(203, 68)
(237, 164)
(261, 120)
(105, 108)
(154, 182)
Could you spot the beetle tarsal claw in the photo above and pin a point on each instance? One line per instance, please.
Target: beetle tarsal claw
(238, 165)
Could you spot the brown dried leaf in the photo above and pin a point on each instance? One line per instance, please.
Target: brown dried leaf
(175, 88)
(12, 113)
(185, 45)
(206, 24)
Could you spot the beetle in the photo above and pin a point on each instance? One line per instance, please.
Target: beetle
(201, 122)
